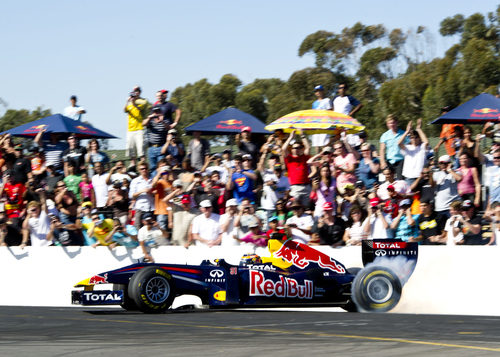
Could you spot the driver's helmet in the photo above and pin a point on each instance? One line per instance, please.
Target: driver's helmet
(250, 259)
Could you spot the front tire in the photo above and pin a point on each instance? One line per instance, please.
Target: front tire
(152, 290)
(376, 289)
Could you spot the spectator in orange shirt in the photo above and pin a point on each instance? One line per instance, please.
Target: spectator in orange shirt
(449, 135)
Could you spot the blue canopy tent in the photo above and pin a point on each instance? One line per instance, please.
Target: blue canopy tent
(58, 123)
(479, 110)
(228, 121)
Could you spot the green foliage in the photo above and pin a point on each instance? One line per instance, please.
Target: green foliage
(14, 118)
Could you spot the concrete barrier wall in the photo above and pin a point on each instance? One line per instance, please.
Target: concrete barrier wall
(447, 280)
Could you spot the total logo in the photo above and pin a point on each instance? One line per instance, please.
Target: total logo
(101, 297)
(261, 267)
(216, 276)
(284, 288)
(395, 245)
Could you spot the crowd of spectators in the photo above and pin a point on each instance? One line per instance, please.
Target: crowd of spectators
(336, 191)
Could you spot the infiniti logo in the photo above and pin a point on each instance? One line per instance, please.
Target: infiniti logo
(380, 253)
(216, 273)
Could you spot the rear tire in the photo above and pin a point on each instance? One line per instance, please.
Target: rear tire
(152, 290)
(376, 289)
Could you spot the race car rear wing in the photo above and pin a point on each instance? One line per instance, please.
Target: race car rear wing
(399, 255)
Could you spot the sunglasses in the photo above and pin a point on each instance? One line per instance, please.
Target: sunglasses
(297, 147)
(143, 168)
(496, 158)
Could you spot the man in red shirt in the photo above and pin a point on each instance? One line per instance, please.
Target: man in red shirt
(296, 165)
(12, 193)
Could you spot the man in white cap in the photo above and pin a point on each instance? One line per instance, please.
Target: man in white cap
(205, 228)
(229, 232)
(446, 191)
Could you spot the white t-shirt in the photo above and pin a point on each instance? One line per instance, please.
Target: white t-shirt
(100, 189)
(355, 233)
(321, 139)
(450, 238)
(207, 228)
(304, 221)
(414, 160)
(152, 238)
(72, 112)
(377, 230)
(39, 228)
(269, 198)
(342, 105)
(227, 236)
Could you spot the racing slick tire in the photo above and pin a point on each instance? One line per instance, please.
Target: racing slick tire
(376, 289)
(127, 304)
(351, 305)
(152, 290)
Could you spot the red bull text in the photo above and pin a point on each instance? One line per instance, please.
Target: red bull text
(284, 288)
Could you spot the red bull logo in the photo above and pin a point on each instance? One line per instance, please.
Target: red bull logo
(485, 110)
(97, 279)
(301, 255)
(231, 122)
(284, 288)
(85, 129)
(36, 128)
(486, 113)
(81, 127)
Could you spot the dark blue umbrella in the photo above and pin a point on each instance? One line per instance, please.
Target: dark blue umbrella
(479, 110)
(58, 123)
(228, 121)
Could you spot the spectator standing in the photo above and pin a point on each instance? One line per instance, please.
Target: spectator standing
(354, 232)
(21, 168)
(330, 227)
(86, 189)
(100, 185)
(61, 234)
(140, 193)
(446, 190)
(52, 149)
(124, 235)
(157, 129)
(36, 225)
(99, 229)
(198, 150)
(368, 167)
(377, 224)
(404, 225)
(471, 224)
(136, 108)
(183, 215)
(161, 185)
(93, 155)
(299, 226)
(74, 154)
(150, 236)
(348, 105)
(345, 164)
(400, 187)
(74, 111)
(469, 187)
(430, 225)
(227, 220)
(72, 180)
(414, 153)
(321, 103)
(168, 109)
(453, 226)
(245, 143)
(174, 148)
(447, 135)
(242, 179)
(324, 189)
(206, 230)
(298, 170)
(118, 202)
(389, 148)
(12, 193)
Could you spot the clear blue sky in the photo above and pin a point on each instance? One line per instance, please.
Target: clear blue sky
(98, 50)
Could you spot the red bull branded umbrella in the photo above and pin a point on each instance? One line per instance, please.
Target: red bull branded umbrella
(228, 121)
(317, 122)
(58, 123)
(479, 110)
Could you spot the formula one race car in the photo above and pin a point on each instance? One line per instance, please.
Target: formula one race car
(294, 274)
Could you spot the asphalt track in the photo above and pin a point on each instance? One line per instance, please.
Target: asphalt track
(35, 331)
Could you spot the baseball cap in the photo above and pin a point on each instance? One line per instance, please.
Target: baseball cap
(177, 183)
(405, 202)
(163, 91)
(247, 156)
(467, 204)
(444, 158)
(273, 218)
(147, 216)
(348, 186)
(374, 201)
(327, 206)
(87, 204)
(205, 203)
(186, 199)
(318, 87)
(172, 131)
(246, 128)
(231, 202)
(327, 149)
(156, 108)
(391, 187)
(253, 224)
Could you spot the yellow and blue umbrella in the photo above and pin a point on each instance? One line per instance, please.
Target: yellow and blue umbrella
(314, 121)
